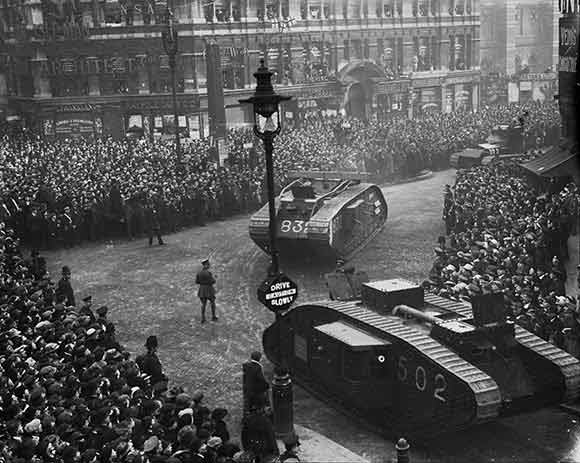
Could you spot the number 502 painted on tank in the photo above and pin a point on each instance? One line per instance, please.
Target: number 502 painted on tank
(421, 380)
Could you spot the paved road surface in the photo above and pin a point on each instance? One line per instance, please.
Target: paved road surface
(152, 291)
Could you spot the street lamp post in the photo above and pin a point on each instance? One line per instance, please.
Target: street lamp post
(265, 103)
(267, 125)
(170, 43)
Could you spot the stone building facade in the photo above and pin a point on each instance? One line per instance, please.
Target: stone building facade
(95, 67)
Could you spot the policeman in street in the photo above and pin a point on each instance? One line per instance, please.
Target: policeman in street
(206, 291)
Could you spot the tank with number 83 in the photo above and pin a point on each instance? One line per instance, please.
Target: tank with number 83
(326, 213)
(417, 363)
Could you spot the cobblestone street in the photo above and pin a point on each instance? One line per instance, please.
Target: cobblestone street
(152, 291)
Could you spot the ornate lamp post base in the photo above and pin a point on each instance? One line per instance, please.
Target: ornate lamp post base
(283, 404)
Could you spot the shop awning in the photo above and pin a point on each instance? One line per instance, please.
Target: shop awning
(560, 161)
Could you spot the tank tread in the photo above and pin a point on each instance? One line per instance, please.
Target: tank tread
(461, 308)
(569, 365)
(485, 389)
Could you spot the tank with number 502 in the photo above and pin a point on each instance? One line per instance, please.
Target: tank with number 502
(417, 363)
(333, 213)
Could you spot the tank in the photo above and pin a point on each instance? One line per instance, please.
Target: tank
(417, 363)
(326, 213)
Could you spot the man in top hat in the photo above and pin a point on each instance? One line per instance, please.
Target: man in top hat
(64, 291)
(206, 291)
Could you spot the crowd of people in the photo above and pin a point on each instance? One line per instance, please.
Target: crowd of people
(506, 236)
(62, 192)
(69, 392)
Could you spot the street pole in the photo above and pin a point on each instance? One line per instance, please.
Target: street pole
(175, 115)
(269, 149)
(170, 43)
(265, 103)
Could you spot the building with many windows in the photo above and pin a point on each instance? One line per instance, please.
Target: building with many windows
(99, 67)
(519, 50)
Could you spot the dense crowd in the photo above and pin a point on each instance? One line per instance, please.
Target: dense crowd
(69, 392)
(505, 236)
(66, 191)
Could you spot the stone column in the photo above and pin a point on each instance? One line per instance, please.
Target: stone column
(443, 98)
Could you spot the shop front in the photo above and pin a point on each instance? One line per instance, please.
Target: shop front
(462, 92)
(68, 121)
(153, 117)
(538, 87)
(390, 96)
(319, 100)
(426, 95)
(462, 97)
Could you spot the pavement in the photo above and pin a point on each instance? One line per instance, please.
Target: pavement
(151, 290)
(316, 448)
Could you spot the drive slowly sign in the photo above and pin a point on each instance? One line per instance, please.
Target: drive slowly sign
(278, 293)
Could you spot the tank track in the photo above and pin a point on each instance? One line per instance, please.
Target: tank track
(485, 389)
(568, 365)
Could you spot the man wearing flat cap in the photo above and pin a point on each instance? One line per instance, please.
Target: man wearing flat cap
(206, 291)
(64, 291)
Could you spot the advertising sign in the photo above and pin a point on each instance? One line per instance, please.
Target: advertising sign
(76, 127)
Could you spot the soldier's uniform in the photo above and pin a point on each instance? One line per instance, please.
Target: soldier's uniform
(206, 291)
(152, 224)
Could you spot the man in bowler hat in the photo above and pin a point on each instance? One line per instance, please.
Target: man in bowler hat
(206, 291)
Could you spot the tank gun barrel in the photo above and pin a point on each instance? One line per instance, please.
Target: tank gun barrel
(410, 311)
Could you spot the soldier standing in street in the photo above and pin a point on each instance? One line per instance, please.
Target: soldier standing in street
(152, 223)
(206, 291)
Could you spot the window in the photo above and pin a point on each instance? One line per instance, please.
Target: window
(354, 365)
(356, 49)
(434, 7)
